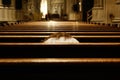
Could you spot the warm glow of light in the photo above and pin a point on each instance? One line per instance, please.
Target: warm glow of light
(60, 60)
(80, 6)
(61, 40)
(43, 8)
(52, 23)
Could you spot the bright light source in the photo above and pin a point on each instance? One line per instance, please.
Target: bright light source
(80, 6)
(53, 23)
(43, 8)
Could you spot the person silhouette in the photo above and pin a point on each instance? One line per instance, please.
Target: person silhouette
(61, 37)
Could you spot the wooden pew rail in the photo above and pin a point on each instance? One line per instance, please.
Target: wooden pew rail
(41, 50)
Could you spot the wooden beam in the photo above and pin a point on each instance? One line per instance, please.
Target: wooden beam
(60, 60)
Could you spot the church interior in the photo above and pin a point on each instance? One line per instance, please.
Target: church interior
(97, 11)
(26, 24)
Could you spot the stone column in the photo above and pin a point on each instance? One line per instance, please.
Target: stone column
(5, 14)
(11, 11)
(2, 14)
(1, 3)
(98, 12)
(69, 11)
(1, 10)
(13, 3)
(9, 14)
(12, 15)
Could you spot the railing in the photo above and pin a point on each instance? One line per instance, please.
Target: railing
(89, 15)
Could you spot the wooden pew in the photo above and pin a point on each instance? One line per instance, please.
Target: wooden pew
(41, 36)
(41, 50)
(60, 61)
(37, 70)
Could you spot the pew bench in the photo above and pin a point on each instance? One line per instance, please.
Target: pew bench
(60, 61)
(41, 50)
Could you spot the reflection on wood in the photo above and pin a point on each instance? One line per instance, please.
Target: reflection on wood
(60, 60)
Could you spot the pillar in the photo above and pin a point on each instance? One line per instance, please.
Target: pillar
(1, 3)
(12, 11)
(1, 10)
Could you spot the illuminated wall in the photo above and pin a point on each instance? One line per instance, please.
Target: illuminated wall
(7, 10)
(106, 11)
(63, 7)
(31, 10)
(56, 6)
(44, 8)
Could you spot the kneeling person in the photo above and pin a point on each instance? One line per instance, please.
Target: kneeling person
(61, 37)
